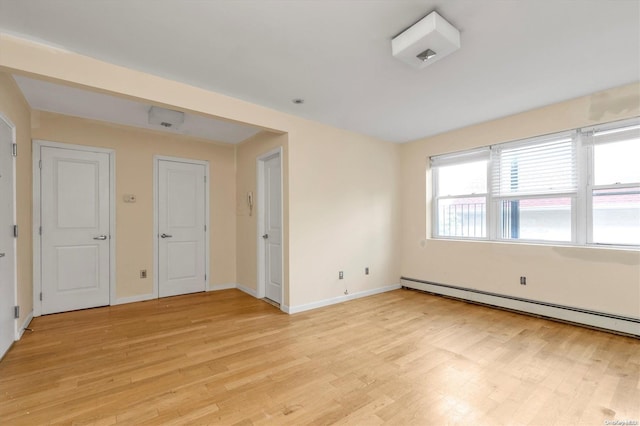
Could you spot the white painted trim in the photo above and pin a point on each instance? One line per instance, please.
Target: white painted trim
(207, 215)
(249, 291)
(24, 325)
(37, 144)
(14, 220)
(557, 312)
(225, 286)
(261, 267)
(133, 299)
(340, 299)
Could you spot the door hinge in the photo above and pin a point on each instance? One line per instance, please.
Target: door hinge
(16, 312)
(205, 228)
(40, 164)
(40, 230)
(205, 179)
(41, 296)
(205, 278)
(15, 231)
(14, 149)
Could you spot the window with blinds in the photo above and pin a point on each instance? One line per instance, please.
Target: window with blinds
(534, 183)
(535, 166)
(573, 187)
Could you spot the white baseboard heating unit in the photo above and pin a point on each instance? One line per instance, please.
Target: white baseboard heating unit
(621, 324)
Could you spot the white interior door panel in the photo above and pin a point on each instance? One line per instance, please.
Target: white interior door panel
(75, 240)
(181, 228)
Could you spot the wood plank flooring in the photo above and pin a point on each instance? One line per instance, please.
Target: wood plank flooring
(396, 358)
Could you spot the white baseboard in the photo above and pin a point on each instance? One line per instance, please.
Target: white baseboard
(249, 291)
(565, 313)
(24, 326)
(339, 299)
(226, 286)
(133, 299)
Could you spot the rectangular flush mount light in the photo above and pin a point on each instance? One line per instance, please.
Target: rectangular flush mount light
(427, 41)
(165, 117)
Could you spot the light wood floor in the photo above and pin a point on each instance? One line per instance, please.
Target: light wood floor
(397, 358)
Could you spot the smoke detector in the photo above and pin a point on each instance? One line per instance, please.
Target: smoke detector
(427, 41)
(166, 117)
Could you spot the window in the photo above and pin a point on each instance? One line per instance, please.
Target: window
(534, 183)
(575, 187)
(461, 194)
(614, 187)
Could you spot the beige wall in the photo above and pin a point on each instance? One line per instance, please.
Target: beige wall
(247, 226)
(353, 201)
(344, 213)
(15, 108)
(342, 205)
(134, 151)
(326, 167)
(599, 279)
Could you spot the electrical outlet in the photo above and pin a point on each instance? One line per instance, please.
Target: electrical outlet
(340, 275)
(523, 280)
(366, 270)
(143, 273)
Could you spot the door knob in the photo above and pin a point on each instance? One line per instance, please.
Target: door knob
(166, 236)
(100, 237)
(265, 236)
(2, 255)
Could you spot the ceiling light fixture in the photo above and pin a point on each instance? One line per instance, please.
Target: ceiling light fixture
(418, 44)
(165, 117)
(297, 101)
(426, 55)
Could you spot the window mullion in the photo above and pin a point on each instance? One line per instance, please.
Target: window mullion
(435, 220)
(490, 220)
(581, 216)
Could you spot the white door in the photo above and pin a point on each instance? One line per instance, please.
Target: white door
(75, 240)
(273, 228)
(7, 240)
(181, 228)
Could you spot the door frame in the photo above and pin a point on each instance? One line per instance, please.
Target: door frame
(156, 231)
(37, 260)
(260, 217)
(14, 220)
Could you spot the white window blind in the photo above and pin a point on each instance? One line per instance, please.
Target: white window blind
(546, 165)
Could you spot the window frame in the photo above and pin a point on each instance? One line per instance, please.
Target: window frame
(458, 158)
(581, 198)
(572, 195)
(590, 186)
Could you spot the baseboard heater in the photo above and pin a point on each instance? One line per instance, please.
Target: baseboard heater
(621, 324)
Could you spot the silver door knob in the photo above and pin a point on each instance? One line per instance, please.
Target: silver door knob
(265, 236)
(2, 255)
(100, 237)
(166, 236)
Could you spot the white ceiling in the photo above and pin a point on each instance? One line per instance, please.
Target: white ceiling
(335, 54)
(45, 96)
